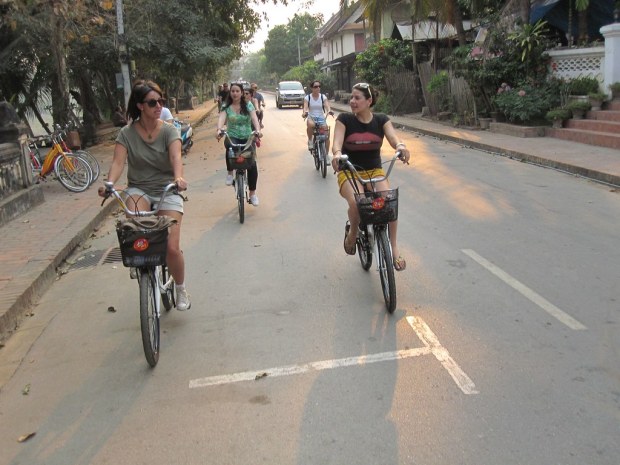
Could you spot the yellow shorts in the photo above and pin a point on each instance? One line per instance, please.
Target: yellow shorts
(365, 174)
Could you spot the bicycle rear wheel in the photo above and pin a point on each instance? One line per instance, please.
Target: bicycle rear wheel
(240, 185)
(73, 172)
(149, 319)
(167, 298)
(323, 158)
(364, 247)
(315, 153)
(92, 162)
(386, 269)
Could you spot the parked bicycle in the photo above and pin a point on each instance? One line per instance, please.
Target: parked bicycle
(85, 154)
(143, 240)
(241, 157)
(376, 210)
(71, 170)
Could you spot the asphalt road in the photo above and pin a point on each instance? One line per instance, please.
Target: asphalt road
(504, 348)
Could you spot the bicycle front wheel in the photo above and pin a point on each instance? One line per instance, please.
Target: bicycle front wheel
(315, 155)
(167, 295)
(364, 247)
(73, 172)
(240, 184)
(149, 319)
(323, 158)
(386, 269)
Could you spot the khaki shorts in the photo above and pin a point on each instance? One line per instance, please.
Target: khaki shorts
(173, 202)
(365, 174)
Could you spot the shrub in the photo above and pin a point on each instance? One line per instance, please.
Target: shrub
(558, 113)
(372, 64)
(439, 86)
(524, 104)
(614, 86)
(583, 85)
(600, 96)
(578, 105)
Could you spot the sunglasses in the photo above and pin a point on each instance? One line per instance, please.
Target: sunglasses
(153, 102)
(316, 87)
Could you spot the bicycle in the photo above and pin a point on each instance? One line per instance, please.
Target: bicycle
(376, 209)
(320, 136)
(241, 157)
(72, 171)
(143, 248)
(85, 154)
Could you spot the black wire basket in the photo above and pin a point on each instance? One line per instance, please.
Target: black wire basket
(377, 207)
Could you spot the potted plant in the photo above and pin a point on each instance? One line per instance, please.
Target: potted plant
(596, 100)
(615, 90)
(583, 85)
(557, 116)
(578, 108)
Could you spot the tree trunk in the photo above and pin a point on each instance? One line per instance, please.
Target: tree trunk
(524, 11)
(60, 80)
(458, 23)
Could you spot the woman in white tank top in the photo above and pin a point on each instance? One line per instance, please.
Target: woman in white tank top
(316, 105)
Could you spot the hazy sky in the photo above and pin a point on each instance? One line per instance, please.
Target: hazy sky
(280, 15)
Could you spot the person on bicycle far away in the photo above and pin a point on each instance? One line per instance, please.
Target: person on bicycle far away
(222, 95)
(238, 115)
(360, 135)
(152, 150)
(316, 105)
(261, 102)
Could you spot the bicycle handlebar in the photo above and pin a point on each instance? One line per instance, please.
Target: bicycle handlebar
(345, 164)
(111, 191)
(243, 145)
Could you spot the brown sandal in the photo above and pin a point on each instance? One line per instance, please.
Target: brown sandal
(351, 250)
(400, 264)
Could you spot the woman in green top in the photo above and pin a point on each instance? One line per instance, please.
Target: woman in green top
(237, 116)
(152, 150)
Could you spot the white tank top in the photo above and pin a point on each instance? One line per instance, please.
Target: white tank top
(315, 107)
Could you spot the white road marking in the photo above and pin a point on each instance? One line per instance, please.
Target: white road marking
(429, 339)
(431, 346)
(527, 292)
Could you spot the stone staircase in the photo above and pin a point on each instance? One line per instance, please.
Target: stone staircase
(601, 128)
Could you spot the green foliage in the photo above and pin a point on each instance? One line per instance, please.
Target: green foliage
(383, 105)
(439, 86)
(600, 96)
(614, 86)
(372, 64)
(525, 103)
(583, 85)
(281, 47)
(581, 105)
(508, 58)
(529, 37)
(558, 114)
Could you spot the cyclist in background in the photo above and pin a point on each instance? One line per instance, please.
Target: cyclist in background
(360, 134)
(238, 115)
(261, 101)
(316, 106)
(222, 96)
(152, 151)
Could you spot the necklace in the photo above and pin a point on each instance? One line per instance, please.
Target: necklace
(148, 134)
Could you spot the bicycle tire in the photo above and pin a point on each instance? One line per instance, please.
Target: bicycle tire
(149, 320)
(323, 158)
(386, 269)
(364, 248)
(92, 162)
(240, 185)
(73, 172)
(168, 298)
(315, 155)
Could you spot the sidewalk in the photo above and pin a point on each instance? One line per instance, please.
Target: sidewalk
(36, 243)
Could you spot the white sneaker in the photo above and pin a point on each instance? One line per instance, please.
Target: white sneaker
(229, 180)
(133, 273)
(183, 302)
(254, 200)
(310, 145)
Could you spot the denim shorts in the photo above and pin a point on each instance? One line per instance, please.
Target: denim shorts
(172, 201)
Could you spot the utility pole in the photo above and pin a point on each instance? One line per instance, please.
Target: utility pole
(298, 52)
(122, 48)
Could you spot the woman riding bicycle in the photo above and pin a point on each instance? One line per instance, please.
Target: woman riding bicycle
(316, 106)
(360, 134)
(152, 150)
(238, 115)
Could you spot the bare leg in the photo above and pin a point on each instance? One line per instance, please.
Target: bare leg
(174, 257)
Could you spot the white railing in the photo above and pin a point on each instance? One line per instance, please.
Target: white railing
(577, 62)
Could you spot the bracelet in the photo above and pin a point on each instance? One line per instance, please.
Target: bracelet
(334, 151)
(401, 143)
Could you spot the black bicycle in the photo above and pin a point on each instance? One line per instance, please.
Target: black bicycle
(143, 240)
(320, 136)
(376, 210)
(240, 158)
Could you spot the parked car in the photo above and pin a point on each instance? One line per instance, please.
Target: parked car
(290, 93)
